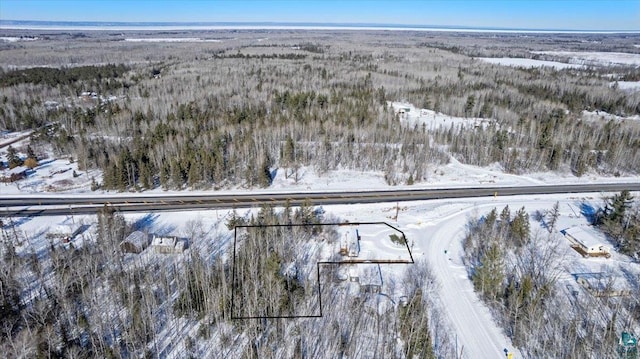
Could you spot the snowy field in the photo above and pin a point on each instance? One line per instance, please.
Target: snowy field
(170, 39)
(528, 63)
(596, 58)
(604, 116)
(17, 39)
(627, 85)
(412, 116)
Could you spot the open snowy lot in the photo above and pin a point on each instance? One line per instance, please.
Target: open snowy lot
(627, 85)
(170, 39)
(528, 63)
(595, 58)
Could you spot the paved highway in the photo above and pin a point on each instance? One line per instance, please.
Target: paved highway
(17, 205)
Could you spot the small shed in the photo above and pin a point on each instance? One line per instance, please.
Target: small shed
(370, 278)
(14, 174)
(350, 244)
(136, 242)
(404, 109)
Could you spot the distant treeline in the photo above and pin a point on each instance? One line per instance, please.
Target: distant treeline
(61, 76)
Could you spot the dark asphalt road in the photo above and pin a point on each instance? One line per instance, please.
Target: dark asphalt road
(82, 204)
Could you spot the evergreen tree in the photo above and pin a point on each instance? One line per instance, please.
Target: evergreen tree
(519, 227)
(488, 277)
(552, 217)
(13, 158)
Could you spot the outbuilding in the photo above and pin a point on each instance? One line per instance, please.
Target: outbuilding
(136, 242)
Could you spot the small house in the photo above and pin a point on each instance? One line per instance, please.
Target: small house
(167, 245)
(601, 285)
(585, 242)
(136, 242)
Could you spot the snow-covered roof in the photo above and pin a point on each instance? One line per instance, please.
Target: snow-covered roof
(599, 281)
(163, 241)
(17, 170)
(137, 238)
(587, 236)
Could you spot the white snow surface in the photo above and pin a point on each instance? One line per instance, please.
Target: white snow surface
(596, 58)
(16, 38)
(527, 63)
(605, 116)
(432, 119)
(627, 85)
(170, 39)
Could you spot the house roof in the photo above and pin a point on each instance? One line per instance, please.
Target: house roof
(163, 241)
(137, 238)
(588, 236)
(17, 170)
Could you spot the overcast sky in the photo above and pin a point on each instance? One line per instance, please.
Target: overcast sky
(531, 14)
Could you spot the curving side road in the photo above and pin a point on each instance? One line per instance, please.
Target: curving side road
(478, 335)
(18, 205)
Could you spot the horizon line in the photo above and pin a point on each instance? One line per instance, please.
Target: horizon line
(5, 24)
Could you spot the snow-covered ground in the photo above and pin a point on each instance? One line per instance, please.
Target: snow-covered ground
(627, 85)
(527, 63)
(575, 60)
(16, 39)
(430, 227)
(604, 116)
(413, 116)
(170, 39)
(596, 58)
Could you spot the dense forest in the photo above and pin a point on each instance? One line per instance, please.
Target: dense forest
(229, 114)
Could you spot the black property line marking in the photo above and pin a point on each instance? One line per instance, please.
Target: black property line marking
(318, 264)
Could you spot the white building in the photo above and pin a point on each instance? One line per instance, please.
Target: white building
(585, 242)
(167, 245)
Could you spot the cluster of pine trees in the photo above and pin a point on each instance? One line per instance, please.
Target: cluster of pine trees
(620, 220)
